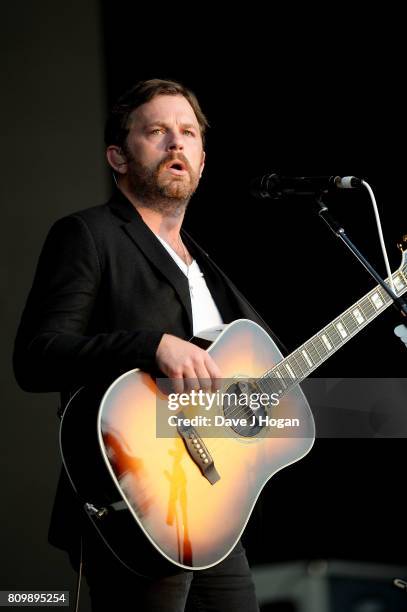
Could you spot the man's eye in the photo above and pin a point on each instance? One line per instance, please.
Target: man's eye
(157, 131)
(189, 132)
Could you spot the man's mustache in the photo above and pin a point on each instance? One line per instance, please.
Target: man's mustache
(172, 157)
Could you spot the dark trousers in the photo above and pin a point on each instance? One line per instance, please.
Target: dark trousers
(226, 587)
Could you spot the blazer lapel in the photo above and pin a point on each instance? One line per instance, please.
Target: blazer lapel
(152, 248)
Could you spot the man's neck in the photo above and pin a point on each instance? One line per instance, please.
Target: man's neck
(166, 226)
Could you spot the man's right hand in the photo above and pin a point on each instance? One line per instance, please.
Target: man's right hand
(188, 366)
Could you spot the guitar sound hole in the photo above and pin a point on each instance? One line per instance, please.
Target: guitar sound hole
(243, 413)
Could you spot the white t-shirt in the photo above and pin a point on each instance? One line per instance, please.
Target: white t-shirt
(205, 313)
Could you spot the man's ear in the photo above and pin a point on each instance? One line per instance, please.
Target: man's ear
(116, 158)
(202, 164)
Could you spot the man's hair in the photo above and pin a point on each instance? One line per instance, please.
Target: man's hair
(117, 129)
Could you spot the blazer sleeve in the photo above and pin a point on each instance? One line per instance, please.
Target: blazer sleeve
(53, 350)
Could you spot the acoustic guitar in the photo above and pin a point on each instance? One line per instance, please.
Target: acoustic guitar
(166, 497)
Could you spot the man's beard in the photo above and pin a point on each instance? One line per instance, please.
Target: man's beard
(159, 190)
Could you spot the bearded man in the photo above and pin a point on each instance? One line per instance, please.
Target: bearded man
(121, 286)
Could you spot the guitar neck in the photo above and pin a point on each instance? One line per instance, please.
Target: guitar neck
(310, 355)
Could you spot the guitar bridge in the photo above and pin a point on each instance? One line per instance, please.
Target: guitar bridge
(198, 452)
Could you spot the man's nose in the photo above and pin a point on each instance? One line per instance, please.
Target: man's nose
(175, 142)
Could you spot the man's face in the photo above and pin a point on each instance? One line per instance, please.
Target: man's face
(164, 151)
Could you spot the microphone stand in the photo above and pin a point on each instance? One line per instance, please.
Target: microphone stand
(398, 302)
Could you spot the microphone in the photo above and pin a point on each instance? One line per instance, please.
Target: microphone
(276, 186)
(402, 584)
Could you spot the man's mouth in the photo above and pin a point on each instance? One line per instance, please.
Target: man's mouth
(176, 167)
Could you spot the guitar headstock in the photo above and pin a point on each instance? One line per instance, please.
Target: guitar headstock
(402, 245)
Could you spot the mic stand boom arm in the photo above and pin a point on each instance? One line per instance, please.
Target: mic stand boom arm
(339, 231)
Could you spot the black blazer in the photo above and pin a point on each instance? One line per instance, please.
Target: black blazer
(104, 292)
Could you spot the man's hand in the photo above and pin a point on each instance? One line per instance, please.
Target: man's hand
(188, 366)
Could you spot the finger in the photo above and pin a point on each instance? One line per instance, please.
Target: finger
(177, 382)
(205, 381)
(214, 373)
(191, 382)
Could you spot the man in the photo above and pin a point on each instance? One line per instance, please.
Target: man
(120, 286)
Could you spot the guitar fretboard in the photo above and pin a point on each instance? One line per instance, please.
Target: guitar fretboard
(310, 355)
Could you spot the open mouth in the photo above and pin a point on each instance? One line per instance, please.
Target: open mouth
(176, 167)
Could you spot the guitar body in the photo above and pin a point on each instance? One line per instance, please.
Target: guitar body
(168, 512)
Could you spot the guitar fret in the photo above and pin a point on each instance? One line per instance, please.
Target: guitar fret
(320, 345)
(280, 378)
(266, 385)
(305, 352)
(280, 383)
(342, 329)
(284, 371)
(377, 299)
(327, 342)
(292, 369)
(359, 317)
(313, 351)
(303, 365)
(350, 322)
(274, 386)
(385, 296)
(263, 384)
(333, 335)
(367, 308)
(399, 282)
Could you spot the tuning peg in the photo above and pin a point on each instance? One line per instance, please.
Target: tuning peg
(402, 245)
